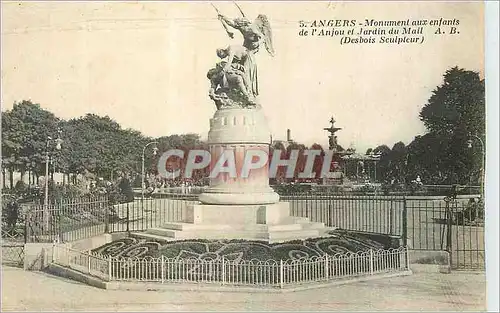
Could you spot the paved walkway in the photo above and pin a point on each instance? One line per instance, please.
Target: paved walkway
(37, 291)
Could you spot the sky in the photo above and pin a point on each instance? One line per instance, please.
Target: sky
(144, 64)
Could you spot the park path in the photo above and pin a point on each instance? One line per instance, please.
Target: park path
(420, 292)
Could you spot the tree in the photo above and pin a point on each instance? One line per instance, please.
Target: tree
(278, 148)
(454, 112)
(384, 163)
(301, 159)
(427, 157)
(398, 161)
(457, 105)
(100, 146)
(184, 142)
(25, 129)
(318, 161)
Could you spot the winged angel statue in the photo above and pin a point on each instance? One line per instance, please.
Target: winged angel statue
(234, 80)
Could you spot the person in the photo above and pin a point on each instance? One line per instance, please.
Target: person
(251, 34)
(236, 71)
(238, 64)
(418, 180)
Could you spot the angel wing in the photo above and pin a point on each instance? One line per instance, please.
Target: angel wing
(262, 24)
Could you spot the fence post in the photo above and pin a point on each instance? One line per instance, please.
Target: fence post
(391, 217)
(281, 274)
(371, 261)
(405, 223)
(110, 268)
(106, 212)
(162, 268)
(59, 218)
(449, 220)
(326, 266)
(27, 220)
(223, 272)
(407, 258)
(53, 252)
(128, 218)
(88, 258)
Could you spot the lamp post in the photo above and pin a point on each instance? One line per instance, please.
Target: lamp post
(155, 150)
(58, 141)
(469, 144)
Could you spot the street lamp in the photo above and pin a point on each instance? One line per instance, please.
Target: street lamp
(469, 145)
(58, 141)
(155, 150)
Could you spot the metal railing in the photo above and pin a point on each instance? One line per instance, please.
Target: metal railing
(455, 225)
(375, 214)
(271, 273)
(68, 219)
(141, 215)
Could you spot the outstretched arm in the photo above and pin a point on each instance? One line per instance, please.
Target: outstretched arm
(227, 20)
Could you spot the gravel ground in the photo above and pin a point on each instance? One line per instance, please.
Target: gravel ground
(459, 291)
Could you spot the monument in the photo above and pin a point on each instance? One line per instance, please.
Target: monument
(241, 207)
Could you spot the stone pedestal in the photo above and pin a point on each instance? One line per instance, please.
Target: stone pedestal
(238, 206)
(238, 131)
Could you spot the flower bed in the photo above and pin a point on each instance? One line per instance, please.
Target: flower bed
(237, 250)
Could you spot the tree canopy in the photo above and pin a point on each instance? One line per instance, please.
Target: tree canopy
(454, 114)
(90, 144)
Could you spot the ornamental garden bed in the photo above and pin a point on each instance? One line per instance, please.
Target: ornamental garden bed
(338, 242)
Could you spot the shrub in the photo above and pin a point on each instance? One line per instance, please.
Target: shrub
(10, 214)
(126, 190)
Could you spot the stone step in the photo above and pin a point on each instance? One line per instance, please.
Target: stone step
(219, 227)
(200, 233)
(158, 233)
(313, 225)
(282, 227)
(295, 219)
(191, 226)
(291, 235)
(151, 237)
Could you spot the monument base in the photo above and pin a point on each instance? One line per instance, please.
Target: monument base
(266, 222)
(244, 196)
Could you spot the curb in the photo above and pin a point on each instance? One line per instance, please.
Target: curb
(428, 261)
(61, 271)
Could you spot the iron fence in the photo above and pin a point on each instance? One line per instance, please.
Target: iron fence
(455, 224)
(274, 274)
(13, 254)
(449, 224)
(12, 245)
(142, 214)
(68, 219)
(381, 214)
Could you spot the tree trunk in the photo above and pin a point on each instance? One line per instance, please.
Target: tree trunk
(11, 178)
(3, 177)
(23, 173)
